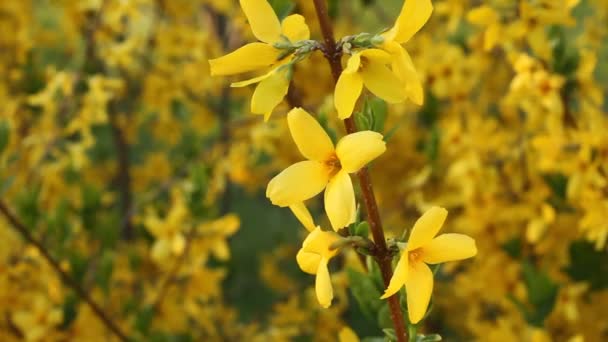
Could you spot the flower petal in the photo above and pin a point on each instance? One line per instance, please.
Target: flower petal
(449, 247)
(357, 149)
(269, 93)
(419, 287)
(414, 14)
(308, 262)
(247, 58)
(340, 203)
(297, 183)
(303, 215)
(348, 90)
(311, 139)
(404, 69)
(382, 82)
(399, 276)
(325, 292)
(262, 19)
(426, 228)
(294, 27)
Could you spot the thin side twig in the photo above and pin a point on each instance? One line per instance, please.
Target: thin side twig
(65, 277)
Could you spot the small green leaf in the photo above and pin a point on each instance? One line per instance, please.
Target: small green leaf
(588, 264)
(390, 334)
(5, 131)
(362, 229)
(365, 292)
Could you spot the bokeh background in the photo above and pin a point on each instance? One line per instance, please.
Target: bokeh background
(144, 177)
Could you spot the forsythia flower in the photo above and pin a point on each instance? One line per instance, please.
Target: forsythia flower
(271, 32)
(369, 67)
(424, 248)
(328, 168)
(313, 258)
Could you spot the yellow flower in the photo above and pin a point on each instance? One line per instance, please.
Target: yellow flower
(313, 258)
(346, 334)
(262, 55)
(424, 248)
(369, 67)
(327, 167)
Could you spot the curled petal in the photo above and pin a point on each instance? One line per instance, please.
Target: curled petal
(357, 149)
(308, 262)
(303, 215)
(297, 183)
(426, 227)
(449, 247)
(262, 19)
(311, 139)
(399, 276)
(340, 203)
(294, 27)
(404, 69)
(419, 287)
(323, 288)
(250, 57)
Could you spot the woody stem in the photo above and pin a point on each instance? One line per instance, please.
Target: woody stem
(382, 256)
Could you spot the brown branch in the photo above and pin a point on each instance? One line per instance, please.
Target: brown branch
(65, 277)
(123, 175)
(382, 256)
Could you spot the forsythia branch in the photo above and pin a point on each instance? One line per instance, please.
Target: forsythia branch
(65, 277)
(333, 55)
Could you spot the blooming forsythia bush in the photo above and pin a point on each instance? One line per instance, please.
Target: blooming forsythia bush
(144, 188)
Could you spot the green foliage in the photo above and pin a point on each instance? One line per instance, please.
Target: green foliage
(542, 295)
(373, 115)
(5, 131)
(588, 264)
(367, 295)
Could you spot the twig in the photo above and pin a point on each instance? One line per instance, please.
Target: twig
(65, 277)
(382, 256)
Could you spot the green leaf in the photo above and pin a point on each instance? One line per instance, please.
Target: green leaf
(362, 229)
(588, 264)
(542, 295)
(5, 131)
(390, 334)
(366, 293)
(282, 7)
(372, 116)
(513, 247)
(428, 338)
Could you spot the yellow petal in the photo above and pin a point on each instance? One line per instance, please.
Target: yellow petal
(303, 215)
(347, 335)
(250, 81)
(250, 57)
(269, 93)
(399, 276)
(382, 82)
(419, 287)
(357, 149)
(262, 19)
(325, 292)
(308, 262)
(178, 243)
(309, 136)
(404, 69)
(319, 242)
(297, 183)
(426, 227)
(449, 247)
(340, 203)
(353, 64)
(376, 55)
(294, 27)
(348, 89)
(414, 14)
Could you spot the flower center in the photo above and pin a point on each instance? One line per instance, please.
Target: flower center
(415, 255)
(333, 165)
